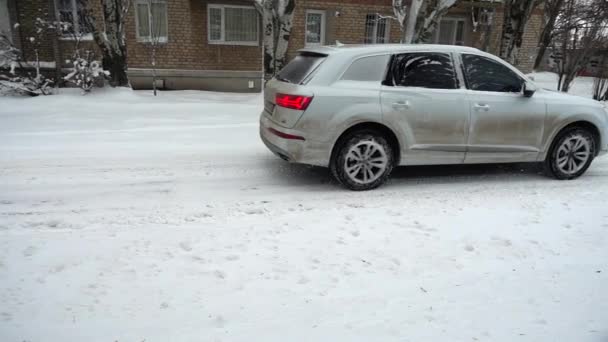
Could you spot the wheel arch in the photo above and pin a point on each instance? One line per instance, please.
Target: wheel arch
(387, 132)
(588, 125)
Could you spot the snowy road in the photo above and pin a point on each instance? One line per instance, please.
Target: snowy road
(128, 218)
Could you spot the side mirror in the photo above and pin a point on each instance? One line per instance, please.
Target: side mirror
(528, 89)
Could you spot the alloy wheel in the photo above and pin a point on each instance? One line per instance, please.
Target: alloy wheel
(365, 162)
(573, 154)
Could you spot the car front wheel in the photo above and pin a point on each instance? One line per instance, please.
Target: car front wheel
(571, 154)
(363, 160)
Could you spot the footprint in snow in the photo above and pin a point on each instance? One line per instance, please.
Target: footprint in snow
(469, 248)
(232, 257)
(256, 211)
(57, 269)
(219, 321)
(29, 251)
(219, 274)
(6, 202)
(53, 223)
(185, 246)
(303, 280)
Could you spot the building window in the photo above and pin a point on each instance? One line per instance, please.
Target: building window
(234, 25)
(74, 13)
(376, 29)
(151, 20)
(450, 32)
(315, 27)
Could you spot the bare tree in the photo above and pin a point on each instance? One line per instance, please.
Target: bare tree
(422, 18)
(600, 83)
(553, 8)
(584, 33)
(155, 28)
(400, 15)
(277, 24)
(19, 77)
(516, 15)
(483, 20)
(109, 35)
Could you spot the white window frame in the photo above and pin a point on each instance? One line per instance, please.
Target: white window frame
(387, 30)
(148, 39)
(322, 40)
(453, 39)
(222, 40)
(75, 23)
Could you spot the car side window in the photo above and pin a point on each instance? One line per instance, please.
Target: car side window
(423, 69)
(367, 69)
(484, 74)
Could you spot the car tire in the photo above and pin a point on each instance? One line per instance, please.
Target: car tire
(362, 160)
(570, 154)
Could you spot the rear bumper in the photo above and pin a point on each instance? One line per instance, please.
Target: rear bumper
(292, 150)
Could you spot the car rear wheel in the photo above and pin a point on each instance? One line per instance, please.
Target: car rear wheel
(363, 160)
(571, 154)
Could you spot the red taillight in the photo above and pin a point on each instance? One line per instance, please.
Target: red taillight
(297, 102)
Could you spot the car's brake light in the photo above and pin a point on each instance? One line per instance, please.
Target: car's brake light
(297, 102)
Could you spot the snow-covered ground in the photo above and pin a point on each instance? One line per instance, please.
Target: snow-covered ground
(125, 217)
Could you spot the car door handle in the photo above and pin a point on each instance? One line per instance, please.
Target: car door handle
(401, 105)
(480, 106)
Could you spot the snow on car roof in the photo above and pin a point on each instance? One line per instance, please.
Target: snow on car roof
(388, 48)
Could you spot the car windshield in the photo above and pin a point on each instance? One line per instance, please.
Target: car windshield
(300, 67)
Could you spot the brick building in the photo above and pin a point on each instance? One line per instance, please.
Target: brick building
(217, 44)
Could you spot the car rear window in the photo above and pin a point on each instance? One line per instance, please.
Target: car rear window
(300, 67)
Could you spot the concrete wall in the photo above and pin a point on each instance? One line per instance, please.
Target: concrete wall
(217, 80)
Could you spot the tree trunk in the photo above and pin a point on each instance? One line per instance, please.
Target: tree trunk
(116, 65)
(423, 17)
(277, 22)
(552, 10)
(412, 18)
(400, 12)
(111, 40)
(516, 15)
(487, 31)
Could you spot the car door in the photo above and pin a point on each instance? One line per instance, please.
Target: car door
(505, 126)
(423, 100)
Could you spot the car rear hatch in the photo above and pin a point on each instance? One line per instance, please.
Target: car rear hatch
(286, 97)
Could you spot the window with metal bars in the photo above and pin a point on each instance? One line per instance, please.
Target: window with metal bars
(450, 31)
(315, 27)
(236, 25)
(74, 13)
(376, 29)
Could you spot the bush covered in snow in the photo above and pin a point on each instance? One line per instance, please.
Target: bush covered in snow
(86, 71)
(18, 76)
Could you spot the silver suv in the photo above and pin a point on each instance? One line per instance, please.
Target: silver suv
(361, 110)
